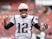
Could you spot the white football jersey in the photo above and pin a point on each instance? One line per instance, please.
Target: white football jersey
(23, 25)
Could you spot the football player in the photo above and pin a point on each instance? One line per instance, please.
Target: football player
(24, 23)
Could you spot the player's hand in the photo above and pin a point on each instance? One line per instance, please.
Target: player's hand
(5, 21)
(44, 27)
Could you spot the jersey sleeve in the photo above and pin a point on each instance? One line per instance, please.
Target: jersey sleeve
(35, 23)
(12, 19)
(35, 20)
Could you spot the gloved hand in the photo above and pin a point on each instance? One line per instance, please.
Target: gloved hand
(44, 27)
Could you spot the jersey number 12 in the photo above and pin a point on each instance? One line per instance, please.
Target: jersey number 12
(22, 30)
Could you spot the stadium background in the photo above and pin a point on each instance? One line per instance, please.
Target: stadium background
(9, 8)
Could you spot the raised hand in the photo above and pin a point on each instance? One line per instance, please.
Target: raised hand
(5, 21)
(44, 27)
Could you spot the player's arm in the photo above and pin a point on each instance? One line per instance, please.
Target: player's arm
(7, 26)
(10, 24)
(36, 25)
(35, 22)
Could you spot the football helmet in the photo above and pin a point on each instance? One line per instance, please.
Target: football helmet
(23, 9)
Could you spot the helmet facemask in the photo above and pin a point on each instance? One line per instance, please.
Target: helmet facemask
(23, 13)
